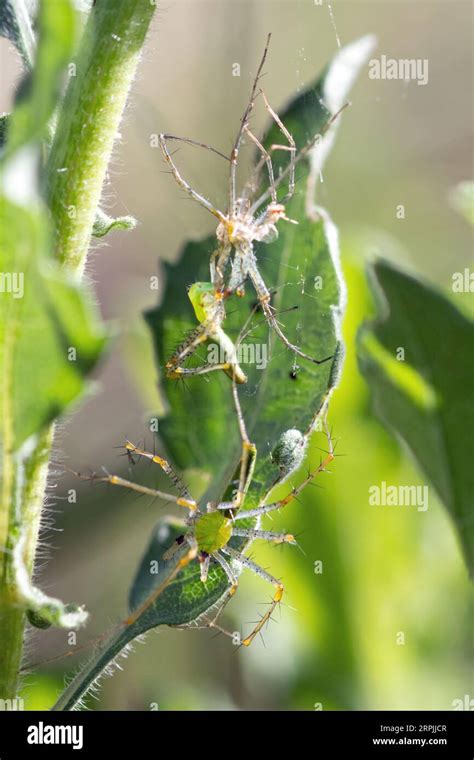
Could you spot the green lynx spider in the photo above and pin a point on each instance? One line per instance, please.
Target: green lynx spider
(243, 224)
(208, 528)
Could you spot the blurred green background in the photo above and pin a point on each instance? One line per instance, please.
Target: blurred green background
(386, 570)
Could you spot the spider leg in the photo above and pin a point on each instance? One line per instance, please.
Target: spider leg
(181, 563)
(164, 464)
(243, 124)
(265, 535)
(248, 456)
(199, 335)
(264, 509)
(312, 474)
(263, 296)
(234, 584)
(266, 158)
(116, 480)
(180, 180)
(205, 562)
(258, 511)
(232, 590)
(302, 153)
(210, 330)
(291, 148)
(251, 185)
(219, 259)
(261, 573)
(239, 269)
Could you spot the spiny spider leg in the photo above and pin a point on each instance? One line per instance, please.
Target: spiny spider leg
(264, 509)
(115, 480)
(302, 153)
(266, 158)
(251, 185)
(265, 535)
(261, 573)
(180, 565)
(209, 309)
(243, 124)
(187, 348)
(198, 144)
(165, 466)
(249, 454)
(219, 258)
(292, 149)
(263, 295)
(247, 462)
(231, 591)
(181, 181)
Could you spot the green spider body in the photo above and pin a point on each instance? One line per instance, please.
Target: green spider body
(213, 532)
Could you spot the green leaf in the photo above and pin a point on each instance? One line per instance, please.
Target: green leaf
(426, 399)
(181, 602)
(200, 428)
(16, 24)
(104, 224)
(49, 334)
(39, 92)
(48, 328)
(206, 400)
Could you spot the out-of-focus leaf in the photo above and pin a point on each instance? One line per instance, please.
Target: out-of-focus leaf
(4, 120)
(427, 398)
(50, 338)
(462, 199)
(38, 93)
(16, 24)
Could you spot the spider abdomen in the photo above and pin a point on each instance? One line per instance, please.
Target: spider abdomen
(212, 532)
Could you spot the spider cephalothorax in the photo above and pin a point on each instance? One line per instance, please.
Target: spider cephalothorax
(243, 229)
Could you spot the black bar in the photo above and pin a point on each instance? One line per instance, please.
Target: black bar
(433, 734)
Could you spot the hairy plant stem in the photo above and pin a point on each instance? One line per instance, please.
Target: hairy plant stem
(107, 58)
(89, 121)
(98, 665)
(24, 485)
